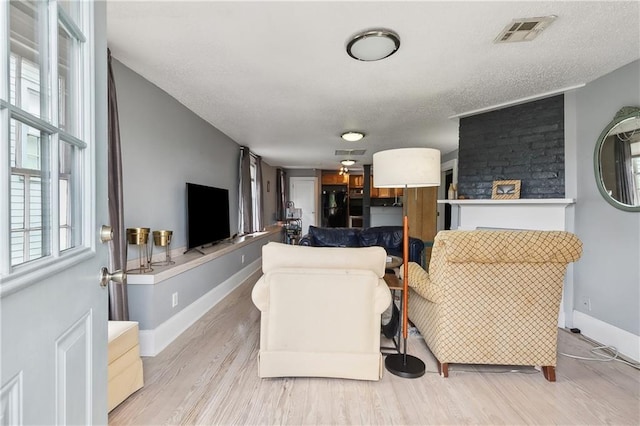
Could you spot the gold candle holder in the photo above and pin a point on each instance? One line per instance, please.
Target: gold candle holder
(163, 239)
(139, 237)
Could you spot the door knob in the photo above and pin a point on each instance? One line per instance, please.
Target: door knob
(106, 276)
(106, 233)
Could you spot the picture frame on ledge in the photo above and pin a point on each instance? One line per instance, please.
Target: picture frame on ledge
(505, 190)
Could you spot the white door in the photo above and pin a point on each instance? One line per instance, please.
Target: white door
(303, 191)
(53, 309)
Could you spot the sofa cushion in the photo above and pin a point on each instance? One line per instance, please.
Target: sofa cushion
(334, 237)
(389, 237)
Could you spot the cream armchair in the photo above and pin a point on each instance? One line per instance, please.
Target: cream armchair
(320, 311)
(492, 297)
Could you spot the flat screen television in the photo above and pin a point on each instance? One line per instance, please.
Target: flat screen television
(207, 215)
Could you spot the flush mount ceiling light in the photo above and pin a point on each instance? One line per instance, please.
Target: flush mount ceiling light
(349, 152)
(348, 162)
(373, 45)
(352, 136)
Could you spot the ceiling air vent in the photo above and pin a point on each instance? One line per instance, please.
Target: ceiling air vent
(342, 152)
(525, 29)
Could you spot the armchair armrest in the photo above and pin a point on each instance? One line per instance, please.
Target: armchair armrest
(260, 295)
(420, 281)
(382, 296)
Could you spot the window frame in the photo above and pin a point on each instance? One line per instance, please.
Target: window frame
(17, 276)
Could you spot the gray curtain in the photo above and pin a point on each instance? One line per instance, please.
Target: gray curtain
(281, 193)
(244, 194)
(118, 300)
(259, 198)
(626, 184)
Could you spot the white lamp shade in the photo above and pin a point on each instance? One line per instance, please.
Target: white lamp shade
(406, 168)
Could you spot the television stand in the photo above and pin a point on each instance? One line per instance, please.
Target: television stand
(195, 249)
(200, 249)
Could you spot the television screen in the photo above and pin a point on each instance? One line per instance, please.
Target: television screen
(207, 215)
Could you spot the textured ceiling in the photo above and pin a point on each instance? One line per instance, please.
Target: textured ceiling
(275, 76)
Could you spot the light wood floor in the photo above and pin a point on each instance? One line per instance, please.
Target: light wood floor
(208, 376)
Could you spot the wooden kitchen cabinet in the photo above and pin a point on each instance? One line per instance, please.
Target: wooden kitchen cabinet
(334, 179)
(373, 191)
(356, 181)
(423, 212)
(386, 192)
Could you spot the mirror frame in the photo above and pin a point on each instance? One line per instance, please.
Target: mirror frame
(624, 114)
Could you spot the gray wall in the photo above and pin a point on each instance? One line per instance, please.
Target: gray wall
(151, 305)
(453, 155)
(609, 272)
(303, 173)
(165, 145)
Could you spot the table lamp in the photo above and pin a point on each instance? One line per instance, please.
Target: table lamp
(406, 168)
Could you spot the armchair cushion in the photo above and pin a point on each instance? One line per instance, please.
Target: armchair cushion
(483, 246)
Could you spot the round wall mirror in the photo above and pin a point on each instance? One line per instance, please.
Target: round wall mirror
(617, 160)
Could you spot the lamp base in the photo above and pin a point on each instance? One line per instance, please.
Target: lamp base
(406, 366)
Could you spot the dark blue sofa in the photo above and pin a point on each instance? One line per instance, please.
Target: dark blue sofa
(388, 237)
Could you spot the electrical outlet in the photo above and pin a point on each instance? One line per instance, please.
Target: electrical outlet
(243, 258)
(586, 302)
(174, 299)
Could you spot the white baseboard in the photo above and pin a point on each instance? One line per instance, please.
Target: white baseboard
(561, 319)
(628, 344)
(152, 342)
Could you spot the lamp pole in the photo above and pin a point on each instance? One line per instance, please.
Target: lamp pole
(406, 168)
(403, 365)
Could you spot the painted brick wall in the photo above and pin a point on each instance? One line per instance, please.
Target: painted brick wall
(523, 142)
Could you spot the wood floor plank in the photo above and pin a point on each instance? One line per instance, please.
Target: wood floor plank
(209, 376)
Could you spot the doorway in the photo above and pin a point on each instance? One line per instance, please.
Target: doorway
(448, 180)
(303, 191)
(447, 218)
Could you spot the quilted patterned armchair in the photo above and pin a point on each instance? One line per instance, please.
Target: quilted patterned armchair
(492, 297)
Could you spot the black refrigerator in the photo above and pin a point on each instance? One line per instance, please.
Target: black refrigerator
(335, 201)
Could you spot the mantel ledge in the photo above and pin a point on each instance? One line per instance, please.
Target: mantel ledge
(521, 201)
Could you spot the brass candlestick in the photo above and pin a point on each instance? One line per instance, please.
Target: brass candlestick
(163, 239)
(139, 237)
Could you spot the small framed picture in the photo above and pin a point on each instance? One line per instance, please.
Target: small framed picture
(505, 190)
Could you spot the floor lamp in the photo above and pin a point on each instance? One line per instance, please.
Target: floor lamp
(406, 168)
